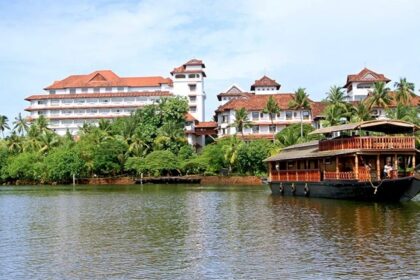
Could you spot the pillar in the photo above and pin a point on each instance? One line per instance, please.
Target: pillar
(395, 169)
(356, 167)
(337, 170)
(378, 167)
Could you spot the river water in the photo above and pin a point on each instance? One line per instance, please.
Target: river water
(198, 232)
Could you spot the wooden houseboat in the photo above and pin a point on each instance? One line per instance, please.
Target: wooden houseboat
(372, 160)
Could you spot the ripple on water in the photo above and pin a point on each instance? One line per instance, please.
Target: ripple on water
(181, 232)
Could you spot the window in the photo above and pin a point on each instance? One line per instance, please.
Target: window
(191, 76)
(224, 118)
(108, 89)
(92, 111)
(375, 112)
(55, 101)
(223, 131)
(129, 99)
(80, 101)
(72, 90)
(295, 114)
(42, 102)
(272, 128)
(97, 90)
(120, 88)
(193, 109)
(261, 115)
(192, 87)
(305, 115)
(67, 101)
(52, 91)
(193, 98)
(84, 90)
(364, 85)
(179, 76)
(41, 113)
(255, 129)
(289, 115)
(278, 115)
(255, 115)
(104, 100)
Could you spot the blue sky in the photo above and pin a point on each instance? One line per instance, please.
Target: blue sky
(311, 44)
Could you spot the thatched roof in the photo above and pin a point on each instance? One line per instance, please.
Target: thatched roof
(386, 126)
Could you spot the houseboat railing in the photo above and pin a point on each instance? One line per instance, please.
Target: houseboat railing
(368, 142)
(306, 175)
(339, 175)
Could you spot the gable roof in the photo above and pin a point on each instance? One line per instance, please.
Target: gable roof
(257, 102)
(192, 62)
(233, 91)
(366, 75)
(265, 82)
(107, 78)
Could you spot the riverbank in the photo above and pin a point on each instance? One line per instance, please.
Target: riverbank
(126, 180)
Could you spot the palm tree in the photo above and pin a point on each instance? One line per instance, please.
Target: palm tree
(231, 149)
(360, 112)
(300, 102)
(404, 113)
(336, 97)
(272, 108)
(333, 116)
(47, 141)
(241, 120)
(404, 91)
(3, 124)
(20, 124)
(379, 96)
(14, 143)
(41, 125)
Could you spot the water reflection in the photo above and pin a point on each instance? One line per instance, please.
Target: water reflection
(197, 232)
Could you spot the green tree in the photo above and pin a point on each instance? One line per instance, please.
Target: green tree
(404, 91)
(336, 98)
(63, 163)
(379, 96)
(109, 157)
(360, 112)
(241, 121)
(20, 124)
(300, 102)
(26, 165)
(272, 109)
(250, 157)
(404, 113)
(156, 163)
(3, 124)
(290, 135)
(230, 149)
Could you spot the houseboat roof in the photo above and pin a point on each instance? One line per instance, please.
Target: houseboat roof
(386, 126)
(307, 150)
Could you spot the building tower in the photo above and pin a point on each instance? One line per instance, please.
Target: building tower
(188, 81)
(358, 85)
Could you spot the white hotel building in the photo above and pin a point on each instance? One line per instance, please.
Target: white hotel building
(78, 99)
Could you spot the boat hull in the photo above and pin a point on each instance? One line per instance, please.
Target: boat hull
(401, 189)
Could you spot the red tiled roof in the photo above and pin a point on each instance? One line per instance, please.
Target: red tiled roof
(366, 75)
(257, 102)
(195, 62)
(206, 125)
(98, 95)
(192, 62)
(190, 118)
(317, 108)
(107, 78)
(265, 82)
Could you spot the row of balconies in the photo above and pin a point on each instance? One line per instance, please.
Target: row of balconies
(89, 102)
(93, 112)
(282, 116)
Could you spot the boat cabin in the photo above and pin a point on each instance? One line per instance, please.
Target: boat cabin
(365, 151)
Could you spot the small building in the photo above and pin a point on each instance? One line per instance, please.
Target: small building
(358, 85)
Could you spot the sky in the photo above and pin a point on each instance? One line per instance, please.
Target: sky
(311, 44)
